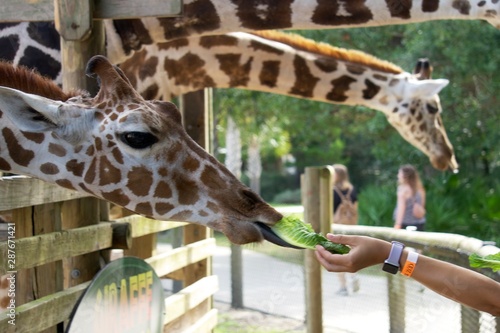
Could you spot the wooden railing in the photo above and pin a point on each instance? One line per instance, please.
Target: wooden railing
(44, 292)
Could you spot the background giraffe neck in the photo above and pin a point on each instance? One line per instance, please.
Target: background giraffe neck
(209, 17)
(36, 44)
(293, 66)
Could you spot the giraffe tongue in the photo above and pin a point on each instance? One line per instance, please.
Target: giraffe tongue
(270, 236)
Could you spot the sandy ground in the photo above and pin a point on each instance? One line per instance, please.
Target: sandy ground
(249, 321)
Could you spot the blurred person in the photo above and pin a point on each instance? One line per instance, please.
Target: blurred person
(410, 208)
(345, 211)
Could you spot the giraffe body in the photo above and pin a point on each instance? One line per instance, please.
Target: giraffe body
(295, 66)
(124, 149)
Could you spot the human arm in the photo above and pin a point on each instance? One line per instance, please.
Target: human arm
(457, 283)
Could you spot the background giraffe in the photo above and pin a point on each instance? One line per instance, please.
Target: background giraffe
(292, 65)
(185, 65)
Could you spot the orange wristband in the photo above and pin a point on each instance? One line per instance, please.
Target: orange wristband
(410, 264)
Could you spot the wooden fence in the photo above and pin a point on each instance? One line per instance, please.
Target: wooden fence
(62, 236)
(45, 251)
(317, 199)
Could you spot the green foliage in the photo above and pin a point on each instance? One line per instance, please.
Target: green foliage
(490, 261)
(288, 197)
(295, 232)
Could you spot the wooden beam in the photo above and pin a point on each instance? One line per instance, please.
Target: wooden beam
(20, 191)
(43, 10)
(189, 297)
(44, 312)
(143, 226)
(42, 249)
(178, 258)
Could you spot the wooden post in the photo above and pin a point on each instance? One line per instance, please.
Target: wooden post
(81, 38)
(470, 319)
(35, 283)
(313, 297)
(396, 287)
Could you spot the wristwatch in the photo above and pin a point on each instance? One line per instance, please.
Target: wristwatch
(391, 264)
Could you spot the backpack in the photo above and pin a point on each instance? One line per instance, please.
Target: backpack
(347, 212)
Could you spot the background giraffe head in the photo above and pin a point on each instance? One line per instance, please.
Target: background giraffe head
(127, 150)
(416, 114)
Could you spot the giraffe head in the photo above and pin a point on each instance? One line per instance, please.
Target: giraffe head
(132, 152)
(417, 115)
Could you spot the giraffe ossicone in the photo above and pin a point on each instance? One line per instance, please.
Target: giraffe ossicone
(124, 149)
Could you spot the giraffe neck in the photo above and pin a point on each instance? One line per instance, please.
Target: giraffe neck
(269, 62)
(210, 17)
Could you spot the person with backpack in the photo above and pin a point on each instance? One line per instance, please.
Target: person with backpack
(410, 207)
(345, 211)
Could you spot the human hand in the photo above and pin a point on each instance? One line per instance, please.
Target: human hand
(365, 251)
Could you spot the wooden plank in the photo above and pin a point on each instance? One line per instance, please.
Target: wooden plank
(43, 10)
(21, 191)
(312, 215)
(54, 246)
(168, 262)
(143, 226)
(189, 297)
(73, 18)
(44, 312)
(205, 324)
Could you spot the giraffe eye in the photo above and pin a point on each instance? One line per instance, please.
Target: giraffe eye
(138, 140)
(432, 109)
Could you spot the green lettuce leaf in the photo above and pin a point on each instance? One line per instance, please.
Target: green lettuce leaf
(298, 233)
(490, 261)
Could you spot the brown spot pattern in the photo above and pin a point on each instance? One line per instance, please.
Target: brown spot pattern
(188, 191)
(144, 208)
(190, 164)
(399, 8)
(49, 169)
(108, 174)
(272, 17)
(324, 12)
(371, 89)
(429, 6)
(339, 88)
(139, 181)
(163, 190)
(4, 165)
(239, 75)
(116, 197)
(326, 65)
(19, 155)
(268, 76)
(35, 137)
(65, 183)
(208, 42)
(75, 167)
(163, 208)
(188, 70)
(57, 150)
(203, 18)
(304, 80)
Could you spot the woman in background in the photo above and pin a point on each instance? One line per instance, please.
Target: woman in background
(410, 207)
(345, 211)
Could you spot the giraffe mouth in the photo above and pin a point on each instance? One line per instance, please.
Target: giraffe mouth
(270, 236)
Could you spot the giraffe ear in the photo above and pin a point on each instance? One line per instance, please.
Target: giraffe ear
(29, 112)
(428, 88)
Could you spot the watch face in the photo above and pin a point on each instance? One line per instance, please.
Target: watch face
(389, 268)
